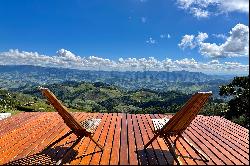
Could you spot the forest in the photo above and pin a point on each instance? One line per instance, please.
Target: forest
(102, 97)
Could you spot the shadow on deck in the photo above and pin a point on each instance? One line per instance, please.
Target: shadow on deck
(23, 139)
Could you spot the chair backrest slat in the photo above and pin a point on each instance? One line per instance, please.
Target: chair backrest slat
(183, 118)
(69, 120)
(196, 110)
(176, 118)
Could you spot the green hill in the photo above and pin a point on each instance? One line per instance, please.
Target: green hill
(97, 97)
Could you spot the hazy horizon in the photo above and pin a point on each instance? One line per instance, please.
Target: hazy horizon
(114, 70)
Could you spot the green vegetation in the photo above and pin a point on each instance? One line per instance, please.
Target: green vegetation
(215, 107)
(16, 102)
(238, 91)
(157, 96)
(101, 97)
(94, 97)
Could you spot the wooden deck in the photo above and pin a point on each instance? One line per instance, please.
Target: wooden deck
(23, 138)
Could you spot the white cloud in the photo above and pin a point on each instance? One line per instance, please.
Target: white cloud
(236, 44)
(151, 41)
(235, 5)
(201, 37)
(199, 13)
(212, 62)
(205, 8)
(67, 55)
(187, 63)
(67, 59)
(191, 41)
(187, 41)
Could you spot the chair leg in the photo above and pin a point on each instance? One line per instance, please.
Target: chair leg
(196, 150)
(100, 146)
(58, 140)
(172, 151)
(152, 139)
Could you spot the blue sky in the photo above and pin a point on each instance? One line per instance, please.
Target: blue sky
(113, 29)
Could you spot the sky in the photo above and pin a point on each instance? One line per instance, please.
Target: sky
(210, 36)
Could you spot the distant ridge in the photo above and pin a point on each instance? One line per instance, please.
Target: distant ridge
(33, 68)
(15, 76)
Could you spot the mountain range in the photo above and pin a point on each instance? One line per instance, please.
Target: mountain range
(16, 76)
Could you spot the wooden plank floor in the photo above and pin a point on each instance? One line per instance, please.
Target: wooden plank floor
(23, 139)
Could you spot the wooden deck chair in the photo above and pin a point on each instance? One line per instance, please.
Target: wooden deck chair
(174, 127)
(80, 129)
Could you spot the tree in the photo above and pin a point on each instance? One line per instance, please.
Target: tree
(238, 91)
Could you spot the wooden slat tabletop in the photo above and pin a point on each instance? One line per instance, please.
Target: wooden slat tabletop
(23, 139)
